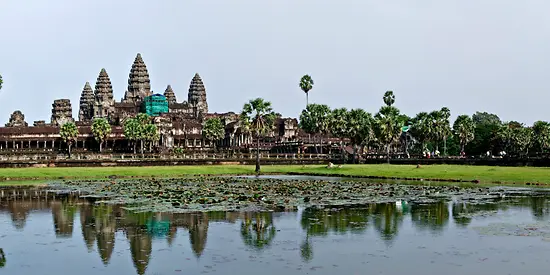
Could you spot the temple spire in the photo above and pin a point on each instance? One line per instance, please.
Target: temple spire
(197, 96)
(104, 103)
(87, 98)
(170, 95)
(139, 84)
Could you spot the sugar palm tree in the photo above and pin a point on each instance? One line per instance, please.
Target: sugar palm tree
(464, 129)
(306, 84)
(131, 131)
(68, 133)
(315, 119)
(389, 98)
(101, 129)
(258, 115)
(1, 82)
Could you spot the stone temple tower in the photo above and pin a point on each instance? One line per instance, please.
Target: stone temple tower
(170, 95)
(87, 99)
(104, 104)
(139, 84)
(62, 112)
(197, 96)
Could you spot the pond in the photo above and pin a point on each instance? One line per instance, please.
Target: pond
(45, 233)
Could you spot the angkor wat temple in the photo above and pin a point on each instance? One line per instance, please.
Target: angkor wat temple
(180, 127)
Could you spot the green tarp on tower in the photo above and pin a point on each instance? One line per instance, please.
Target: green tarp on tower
(154, 105)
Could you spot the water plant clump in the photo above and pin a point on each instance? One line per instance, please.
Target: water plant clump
(257, 194)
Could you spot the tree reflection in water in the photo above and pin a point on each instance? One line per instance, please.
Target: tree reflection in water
(258, 230)
(2, 258)
(432, 216)
(387, 220)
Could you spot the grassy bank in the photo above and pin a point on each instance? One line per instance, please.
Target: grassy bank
(485, 174)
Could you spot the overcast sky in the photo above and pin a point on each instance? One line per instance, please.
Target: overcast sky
(468, 55)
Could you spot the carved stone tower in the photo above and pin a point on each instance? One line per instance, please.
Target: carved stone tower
(170, 95)
(17, 119)
(104, 104)
(87, 99)
(197, 96)
(62, 112)
(139, 84)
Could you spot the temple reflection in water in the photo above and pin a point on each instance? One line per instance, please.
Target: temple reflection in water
(101, 223)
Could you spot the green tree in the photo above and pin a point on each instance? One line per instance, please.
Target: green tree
(440, 127)
(259, 116)
(306, 84)
(101, 129)
(150, 134)
(1, 82)
(69, 133)
(213, 130)
(541, 135)
(421, 129)
(132, 131)
(389, 98)
(359, 129)
(315, 119)
(338, 125)
(486, 127)
(464, 130)
(388, 123)
(143, 120)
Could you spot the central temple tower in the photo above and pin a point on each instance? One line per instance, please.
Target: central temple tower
(139, 84)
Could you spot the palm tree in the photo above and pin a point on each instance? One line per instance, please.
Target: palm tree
(69, 133)
(464, 129)
(338, 125)
(315, 120)
(150, 134)
(131, 131)
(306, 84)
(359, 128)
(389, 98)
(541, 134)
(259, 116)
(143, 120)
(213, 130)
(101, 129)
(1, 82)
(388, 127)
(421, 129)
(445, 127)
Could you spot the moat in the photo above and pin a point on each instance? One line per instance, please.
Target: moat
(41, 233)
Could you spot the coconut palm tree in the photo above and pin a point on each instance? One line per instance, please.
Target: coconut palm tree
(306, 84)
(213, 130)
(101, 129)
(68, 133)
(259, 115)
(464, 129)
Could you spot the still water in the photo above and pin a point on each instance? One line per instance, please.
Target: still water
(43, 234)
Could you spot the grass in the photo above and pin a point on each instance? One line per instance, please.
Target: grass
(485, 174)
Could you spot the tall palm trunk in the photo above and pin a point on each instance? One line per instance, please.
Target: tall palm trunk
(307, 99)
(445, 146)
(101, 146)
(135, 145)
(258, 155)
(321, 137)
(70, 144)
(388, 152)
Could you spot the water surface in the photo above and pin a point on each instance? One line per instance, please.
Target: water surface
(42, 234)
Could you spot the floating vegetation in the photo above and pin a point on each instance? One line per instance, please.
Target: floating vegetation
(260, 194)
(539, 229)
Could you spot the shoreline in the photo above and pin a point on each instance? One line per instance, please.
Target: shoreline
(528, 176)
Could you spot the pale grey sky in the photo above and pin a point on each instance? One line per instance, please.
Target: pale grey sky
(469, 55)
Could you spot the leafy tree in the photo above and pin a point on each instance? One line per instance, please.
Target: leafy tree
(259, 115)
(359, 128)
(515, 138)
(101, 129)
(315, 119)
(150, 134)
(389, 98)
(132, 131)
(69, 133)
(213, 130)
(541, 135)
(388, 123)
(464, 130)
(421, 129)
(388, 127)
(306, 84)
(338, 125)
(143, 120)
